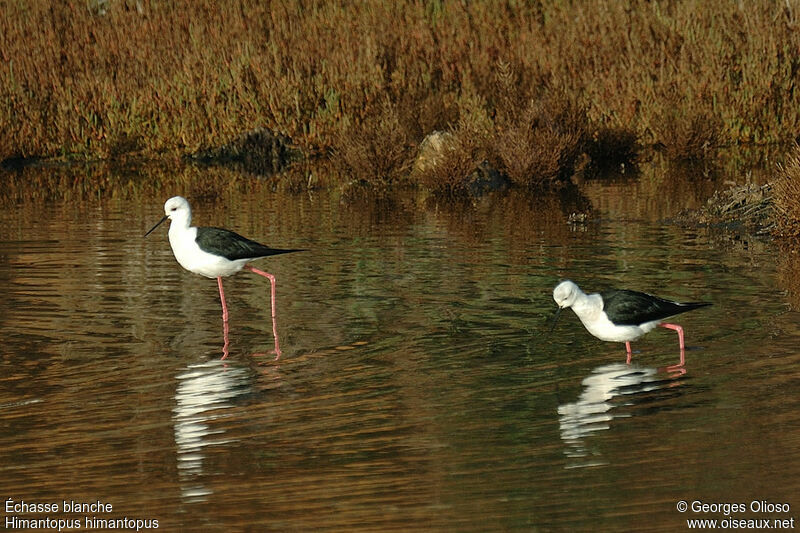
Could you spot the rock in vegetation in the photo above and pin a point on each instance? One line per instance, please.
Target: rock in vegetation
(433, 150)
(446, 163)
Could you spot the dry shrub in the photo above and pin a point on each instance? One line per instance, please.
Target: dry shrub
(787, 196)
(691, 135)
(788, 261)
(376, 151)
(171, 77)
(540, 145)
(420, 114)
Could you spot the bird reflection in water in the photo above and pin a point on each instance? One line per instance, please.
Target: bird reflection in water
(204, 391)
(595, 408)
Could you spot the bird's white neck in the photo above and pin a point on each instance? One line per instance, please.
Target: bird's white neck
(587, 306)
(180, 221)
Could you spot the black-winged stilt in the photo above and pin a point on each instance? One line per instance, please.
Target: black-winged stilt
(621, 315)
(215, 253)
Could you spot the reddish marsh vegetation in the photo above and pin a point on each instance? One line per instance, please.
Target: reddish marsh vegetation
(528, 87)
(787, 196)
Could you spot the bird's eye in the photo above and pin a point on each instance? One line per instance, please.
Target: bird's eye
(174, 209)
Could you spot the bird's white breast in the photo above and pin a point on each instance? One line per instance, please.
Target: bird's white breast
(192, 258)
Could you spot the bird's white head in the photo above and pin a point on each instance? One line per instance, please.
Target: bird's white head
(178, 211)
(566, 294)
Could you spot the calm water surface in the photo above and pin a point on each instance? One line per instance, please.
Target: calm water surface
(418, 388)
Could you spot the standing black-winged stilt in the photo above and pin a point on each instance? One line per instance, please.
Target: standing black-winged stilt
(621, 315)
(215, 253)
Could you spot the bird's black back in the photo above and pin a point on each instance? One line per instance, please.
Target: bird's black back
(232, 246)
(632, 308)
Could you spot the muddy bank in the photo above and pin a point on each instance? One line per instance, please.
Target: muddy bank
(740, 209)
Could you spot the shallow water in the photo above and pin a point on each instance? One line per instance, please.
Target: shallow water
(418, 387)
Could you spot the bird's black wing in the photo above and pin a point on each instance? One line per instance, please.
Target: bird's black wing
(632, 308)
(233, 246)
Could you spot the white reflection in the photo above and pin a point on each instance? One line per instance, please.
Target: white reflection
(593, 411)
(204, 391)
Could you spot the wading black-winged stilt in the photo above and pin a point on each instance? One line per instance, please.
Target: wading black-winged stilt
(215, 253)
(620, 315)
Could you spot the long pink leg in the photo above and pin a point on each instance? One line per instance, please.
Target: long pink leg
(679, 329)
(271, 283)
(224, 319)
(272, 299)
(222, 299)
(628, 347)
(226, 339)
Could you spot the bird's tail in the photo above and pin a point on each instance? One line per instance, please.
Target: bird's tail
(688, 306)
(278, 251)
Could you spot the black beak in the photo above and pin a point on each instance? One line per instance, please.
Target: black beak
(157, 225)
(555, 320)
